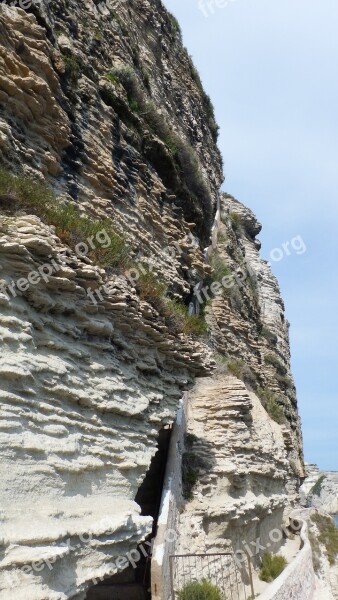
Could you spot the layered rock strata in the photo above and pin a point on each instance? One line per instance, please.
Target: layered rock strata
(84, 391)
(243, 426)
(104, 105)
(320, 490)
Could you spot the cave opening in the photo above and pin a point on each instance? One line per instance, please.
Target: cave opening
(134, 582)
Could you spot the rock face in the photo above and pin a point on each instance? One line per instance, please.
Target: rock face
(105, 106)
(320, 490)
(82, 404)
(248, 451)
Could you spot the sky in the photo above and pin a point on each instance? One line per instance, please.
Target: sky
(271, 69)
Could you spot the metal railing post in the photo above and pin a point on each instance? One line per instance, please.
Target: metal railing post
(171, 560)
(250, 575)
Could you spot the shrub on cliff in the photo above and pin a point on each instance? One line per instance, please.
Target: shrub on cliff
(271, 404)
(206, 101)
(219, 268)
(73, 68)
(241, 370)
(235, 220)
(328, 535)
(317, 488)
(271, 337)
(202, 590)
(175, 313)
(273, 360)
(271, 567)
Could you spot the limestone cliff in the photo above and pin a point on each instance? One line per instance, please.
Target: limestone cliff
(243, 420)
(320, 490)
(102, 105)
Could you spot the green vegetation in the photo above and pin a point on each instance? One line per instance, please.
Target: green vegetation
(219, 269)
(175, 26)
(124, 74)
(207, 103)
(272, 566)
(235, 220)
(328, 535)
(317, 488)
(175, 313)
(269, 336)
(272, 405)
(242, 371)
(23, 192)
(284, 381)
(202, 590)
(190, 472)
(316, 550)
(222, 238)
(73, 67)
(271, 359)
(187, 165)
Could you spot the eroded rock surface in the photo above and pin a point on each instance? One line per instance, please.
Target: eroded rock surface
(106, 107)
(248, 451)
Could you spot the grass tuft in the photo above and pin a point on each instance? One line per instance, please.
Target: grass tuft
(272, 566)
(272, 406)
(235, 220)
(21, 192)
(175, 313)
(241, 370)
(200, 590)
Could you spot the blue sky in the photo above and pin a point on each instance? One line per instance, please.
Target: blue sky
(271, 68)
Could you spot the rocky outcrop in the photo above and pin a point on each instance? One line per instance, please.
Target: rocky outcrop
(247, 463)
(320, 490)
(241, 493)
(82, 403)
(91, 99)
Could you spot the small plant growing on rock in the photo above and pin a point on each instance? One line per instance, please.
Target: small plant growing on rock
(273, 360)
(73, 68)
(272, 566)
(190, 472)
(122, 73)
(175, 26)
(269, 336)
(202, 590)
(273, 408)
(328, 535)
(23, 192)
(175, 313)
(239, 369)
(235, 220)
(317, 488)
(219, 268)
